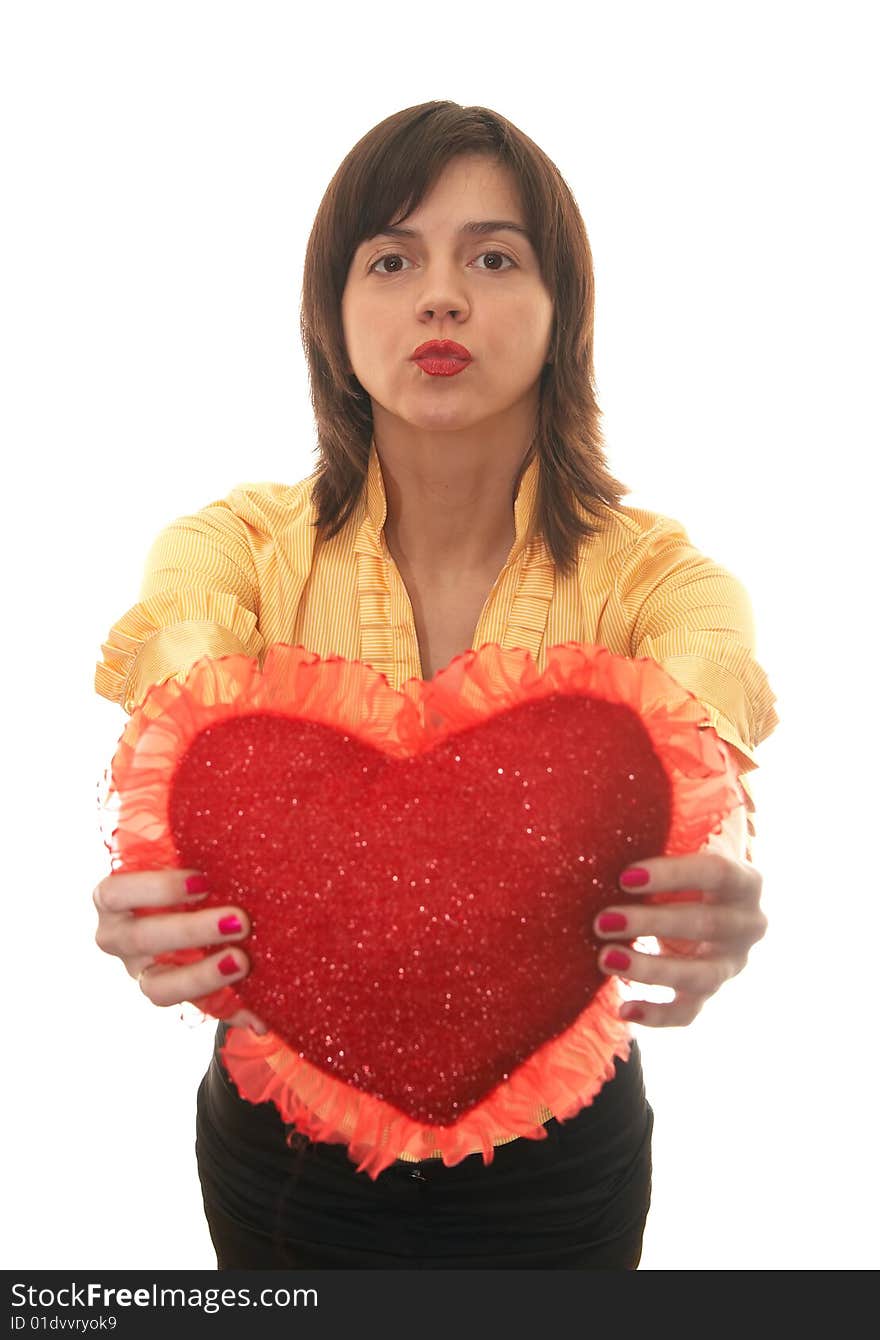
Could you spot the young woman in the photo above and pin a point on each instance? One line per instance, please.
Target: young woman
(461, 497)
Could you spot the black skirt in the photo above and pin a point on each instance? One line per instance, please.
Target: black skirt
(577, 1200)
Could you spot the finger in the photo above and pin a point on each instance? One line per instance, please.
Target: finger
(164, 984)
(710, 873)
(244, 1019)
(149, 888)
(146, 936)
(698, 976)
(716, 922)
(677, 1013)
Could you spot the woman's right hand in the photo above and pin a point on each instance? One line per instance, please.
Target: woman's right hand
(136, 940)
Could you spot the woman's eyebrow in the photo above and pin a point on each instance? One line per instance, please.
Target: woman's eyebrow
(473, 227)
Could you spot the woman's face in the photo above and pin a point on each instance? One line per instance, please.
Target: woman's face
(484, 291)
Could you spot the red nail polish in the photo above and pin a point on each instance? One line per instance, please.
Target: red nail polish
(197, 884)
(612, 921)
(229, 925)
(617, 960)
(228, 965)
(632, 1013)
(635, 879)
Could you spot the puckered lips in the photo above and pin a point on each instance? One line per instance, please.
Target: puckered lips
(441, 358)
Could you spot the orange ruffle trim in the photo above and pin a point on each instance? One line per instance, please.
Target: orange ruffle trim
(562, 1076)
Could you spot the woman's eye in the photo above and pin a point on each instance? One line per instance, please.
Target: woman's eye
(395, 256)
(501, 256)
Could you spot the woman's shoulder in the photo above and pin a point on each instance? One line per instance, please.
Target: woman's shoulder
(268, 507)
(638, 552)
(638, 521)
(634, 530)
(269, 498)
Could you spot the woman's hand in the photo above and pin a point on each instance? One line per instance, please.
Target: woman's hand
(136, 939)
(721, 928)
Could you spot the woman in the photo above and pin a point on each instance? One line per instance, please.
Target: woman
(461, 497)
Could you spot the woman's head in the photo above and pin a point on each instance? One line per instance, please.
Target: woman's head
(483, 290)
(530, 329)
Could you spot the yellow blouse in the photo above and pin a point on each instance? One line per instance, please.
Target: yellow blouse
(248, 571)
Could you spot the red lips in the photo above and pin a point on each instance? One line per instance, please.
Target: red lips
(441, 349)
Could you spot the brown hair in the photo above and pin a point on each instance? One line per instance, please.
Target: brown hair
(385, 176)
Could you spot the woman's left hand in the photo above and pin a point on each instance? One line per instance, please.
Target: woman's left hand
(721, 928)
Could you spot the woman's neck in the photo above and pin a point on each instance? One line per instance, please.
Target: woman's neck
(449, 509)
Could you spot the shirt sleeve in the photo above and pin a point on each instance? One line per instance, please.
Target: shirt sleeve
(695, 619)
(199, 597)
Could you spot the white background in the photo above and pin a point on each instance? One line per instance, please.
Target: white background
(161, 167)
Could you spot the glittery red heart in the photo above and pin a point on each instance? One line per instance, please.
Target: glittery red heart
(447, 897)
(421, 869)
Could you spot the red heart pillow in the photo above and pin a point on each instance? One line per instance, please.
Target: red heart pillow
(421, 869)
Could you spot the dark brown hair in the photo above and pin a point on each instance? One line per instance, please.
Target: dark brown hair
(381, 180)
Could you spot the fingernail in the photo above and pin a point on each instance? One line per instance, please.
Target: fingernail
(616, 959)
(197, 884)
(635, 879)
(634, 1013)
(229, 925)
(227, 965)
(611, 921)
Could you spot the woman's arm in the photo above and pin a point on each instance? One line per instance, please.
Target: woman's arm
(199, 597)
(694, 618)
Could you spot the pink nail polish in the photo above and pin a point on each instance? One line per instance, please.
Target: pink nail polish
(617, 960)
(229, 925)
(635, 879)
(197, 884)
(612, 921)
(228, 965)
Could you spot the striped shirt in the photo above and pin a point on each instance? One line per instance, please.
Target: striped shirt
(248, 571)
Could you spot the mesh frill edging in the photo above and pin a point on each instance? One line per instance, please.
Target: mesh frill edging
(564, 1074)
